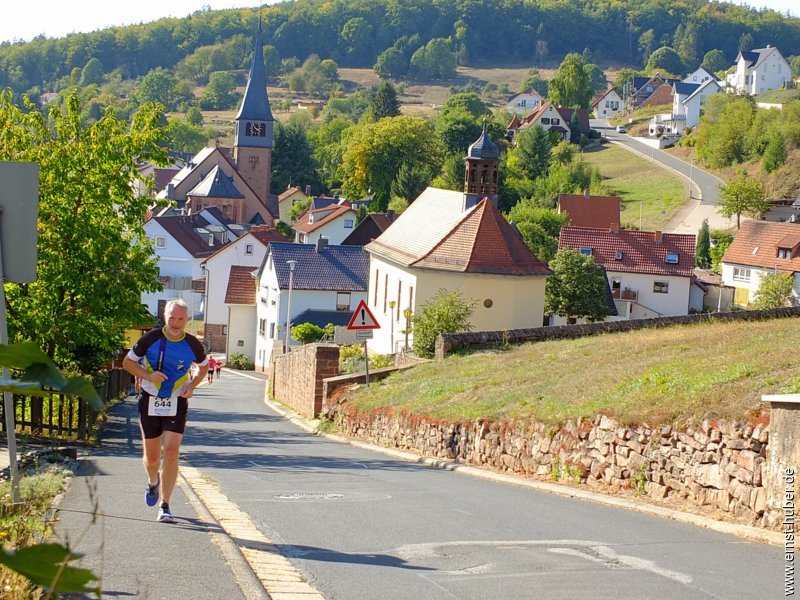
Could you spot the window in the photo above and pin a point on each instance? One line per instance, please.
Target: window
(586, 251)
(385, 291)
(545, 120)
(161, 241)
(660, 287)
(342, 300)
(741, 274)
(348, 223)
(554, 121)
(784, 253)
(672, 258)
(224, 330)
(248, 249)
(272, 331)
(262, 327)
(375, 296)
(618, 255)
(240, 343)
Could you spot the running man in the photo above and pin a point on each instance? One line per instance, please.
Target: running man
(212, 364)
(218, 367)
(167, 355)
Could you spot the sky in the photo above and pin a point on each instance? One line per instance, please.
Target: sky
(57, 18)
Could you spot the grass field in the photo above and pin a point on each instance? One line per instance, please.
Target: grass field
(655, 376)
(642, 185)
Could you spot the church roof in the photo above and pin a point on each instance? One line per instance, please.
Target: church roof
(216, 185)
(255, 104)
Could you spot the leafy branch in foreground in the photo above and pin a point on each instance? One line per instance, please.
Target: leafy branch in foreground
(45, 565)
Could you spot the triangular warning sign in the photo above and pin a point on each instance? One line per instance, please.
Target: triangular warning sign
(362, 318)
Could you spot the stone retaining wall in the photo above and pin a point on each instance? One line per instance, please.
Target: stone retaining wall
(718, 464)
(295, 378)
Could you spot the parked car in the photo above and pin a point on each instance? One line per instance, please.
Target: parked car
(796, 204)
(621, 129)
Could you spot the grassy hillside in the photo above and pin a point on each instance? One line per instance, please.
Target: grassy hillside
(641, 184)
(652, 375)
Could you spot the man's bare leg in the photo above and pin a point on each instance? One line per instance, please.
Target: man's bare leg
(169, 467)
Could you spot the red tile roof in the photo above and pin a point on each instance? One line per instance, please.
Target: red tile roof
(756, 245)
(483, 242)
(266, 234)
(241, 285)
(303, 226)
(641, 253)
(595, 211)
(288, 193)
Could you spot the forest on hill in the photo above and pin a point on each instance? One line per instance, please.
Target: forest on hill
(358, 33)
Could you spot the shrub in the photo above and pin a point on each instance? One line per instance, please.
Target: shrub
(306, 333)
(240, 361)
(447, 312)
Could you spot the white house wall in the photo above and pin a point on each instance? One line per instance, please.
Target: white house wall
(675, 302)
(176, 262)
(335, 231)
(242, 330)
(516, 302)
(218, 269)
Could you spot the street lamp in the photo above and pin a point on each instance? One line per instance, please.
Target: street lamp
(291, 264)
(407, 315)
(392, 304)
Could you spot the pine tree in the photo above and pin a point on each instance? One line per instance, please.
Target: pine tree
(383, 102)
(703, 252)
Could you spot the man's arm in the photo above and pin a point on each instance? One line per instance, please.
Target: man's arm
(189, 386)
(137, 370)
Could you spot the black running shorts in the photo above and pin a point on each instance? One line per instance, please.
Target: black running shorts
(153, 427)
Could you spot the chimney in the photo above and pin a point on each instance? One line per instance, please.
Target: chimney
(322, 242)
(586, 193)
(308, 190)
(613, 228)
(657, 236)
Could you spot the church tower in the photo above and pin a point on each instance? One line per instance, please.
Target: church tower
(480, 178)
(252, 149)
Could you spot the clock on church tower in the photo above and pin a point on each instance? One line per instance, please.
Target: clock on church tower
(254, 129)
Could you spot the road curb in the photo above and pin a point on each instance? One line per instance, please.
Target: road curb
(748, 532)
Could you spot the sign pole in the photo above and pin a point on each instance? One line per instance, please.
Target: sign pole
(8, 397)
(366, 362)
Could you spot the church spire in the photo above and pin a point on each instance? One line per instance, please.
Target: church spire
(480, 178)
(255, 104)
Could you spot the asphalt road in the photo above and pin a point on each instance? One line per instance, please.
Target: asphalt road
(360, 525)
(704, 186)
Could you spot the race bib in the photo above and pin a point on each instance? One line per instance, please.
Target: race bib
(163, 407)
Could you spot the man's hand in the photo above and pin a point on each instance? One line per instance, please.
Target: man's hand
(156, 377)
(187, 390)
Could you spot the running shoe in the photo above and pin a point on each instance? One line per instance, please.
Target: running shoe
(151, 495)
(164, 516)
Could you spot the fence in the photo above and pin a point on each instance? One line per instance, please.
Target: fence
(63, 417)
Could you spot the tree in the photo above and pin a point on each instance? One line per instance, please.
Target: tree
(375, 151)
(532, 151)
(293, 157)
(468, 101)
(714, 60)
(647, 43)
(219, 94)
(447, 312)
(540, 227)
(577, 287)
(535, 82)
(194, 116)
(575, 128)
(357, 40)
(435, 60)
(703, 247)
(410, 182)
(92, 72)
(746, 42)
(723, 241)
(597, 79)
(775, 152)
(665, 59)
(457, 129)
(383, 101)
(157, 86)
(794, 63)
(182, 136)
(571, 87)
(94, 258)
(776, 290)
(740, 196)
(392, 62)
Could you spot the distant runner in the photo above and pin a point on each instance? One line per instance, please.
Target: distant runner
(168, 354)
(212, 365)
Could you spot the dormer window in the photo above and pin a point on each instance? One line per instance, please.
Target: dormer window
(211, 240)
(672, 258)
(310, 217)
(586, 250)
(784, 253)
(618, 255)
